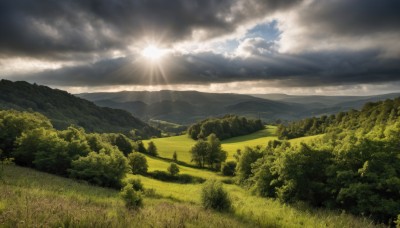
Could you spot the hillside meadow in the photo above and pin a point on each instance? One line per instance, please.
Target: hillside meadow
(30, 198)
(183, 143)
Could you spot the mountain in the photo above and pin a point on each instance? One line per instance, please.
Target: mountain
(64, 109)
(186, 107)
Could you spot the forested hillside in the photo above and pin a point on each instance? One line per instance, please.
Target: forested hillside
(354, 166)
(64, 109)
(372, 114)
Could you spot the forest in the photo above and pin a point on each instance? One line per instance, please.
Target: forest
(225, 127)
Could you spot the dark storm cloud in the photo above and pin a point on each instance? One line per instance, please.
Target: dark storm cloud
(61, 29)
(352, 17)
(307, 69)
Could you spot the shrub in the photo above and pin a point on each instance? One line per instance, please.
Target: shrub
(175, 156)
(101, 168)
(173, 169)
(215, 197)
(133, 199)
(228, 168)
(138, 163)
(136, 184)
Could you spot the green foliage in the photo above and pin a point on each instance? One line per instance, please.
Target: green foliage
(136, 184)
(138, 163)
(199, 152)
(228, 168)
(175, 156)
(247, 158)
(353, 171)
(104, 168)
(133, 199)
(225, 127)
(178, 178)
(371, 115)
(14, 123)
(208, 152)
(64, 109)
(213, 196)
(124, 144)
(152, 149)
(141, 147)
(173, 169)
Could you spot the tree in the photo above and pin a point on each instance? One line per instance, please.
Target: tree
(175, 156)
(124, 144)
(215, 154)
(138, 163)
(247, 158)
(152, 149)
(141, 147)
(173, 169)
(199, 152)
(213, 196)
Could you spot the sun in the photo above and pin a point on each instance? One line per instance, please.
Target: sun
(152, 52)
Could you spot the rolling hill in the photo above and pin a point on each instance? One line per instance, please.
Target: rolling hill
(64, 109)
(186, 107)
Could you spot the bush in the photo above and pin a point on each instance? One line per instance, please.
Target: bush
(101, 168)
(173, 169)
(215, 197)
(228, 168)
(138, 163)
(133, 199)
(136, 184)
(175, 156)
(181, 178)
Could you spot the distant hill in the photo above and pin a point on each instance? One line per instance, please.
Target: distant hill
(328, 101)
(64, 109)
(187, 107)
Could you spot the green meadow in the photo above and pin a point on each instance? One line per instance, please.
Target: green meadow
(30, 198)
(183, 143)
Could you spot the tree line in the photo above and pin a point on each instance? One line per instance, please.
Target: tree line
(224, 127)
(372, 114)
(102, 159)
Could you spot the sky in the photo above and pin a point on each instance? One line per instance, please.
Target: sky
(325, 47)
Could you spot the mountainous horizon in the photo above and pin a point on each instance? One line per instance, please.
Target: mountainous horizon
(186, 107)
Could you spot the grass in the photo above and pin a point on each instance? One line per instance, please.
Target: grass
(34, 199)
(183, 143)
(30, 198)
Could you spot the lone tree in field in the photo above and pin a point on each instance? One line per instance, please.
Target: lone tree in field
(138, 163)
(208, 152)
(199, 152)
(173, 169)
(175, 156)
(152, 149)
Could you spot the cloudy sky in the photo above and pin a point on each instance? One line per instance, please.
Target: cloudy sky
(241, 46)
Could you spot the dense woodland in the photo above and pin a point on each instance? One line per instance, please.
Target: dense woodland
(372, 114)
(31, 140)
(225, 127)
(64, 109)
(354, 167)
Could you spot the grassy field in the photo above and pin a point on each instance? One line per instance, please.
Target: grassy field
(30, 198)
(182, 143)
